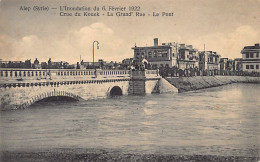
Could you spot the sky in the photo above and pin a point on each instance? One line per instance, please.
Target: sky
(224, 26)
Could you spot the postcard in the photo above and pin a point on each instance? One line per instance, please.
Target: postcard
(129, 80)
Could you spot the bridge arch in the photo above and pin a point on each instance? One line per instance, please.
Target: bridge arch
(116, 91)
(47, 95)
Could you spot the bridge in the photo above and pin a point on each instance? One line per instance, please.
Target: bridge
(20, 88)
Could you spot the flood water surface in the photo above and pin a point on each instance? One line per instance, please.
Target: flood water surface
(216, 121)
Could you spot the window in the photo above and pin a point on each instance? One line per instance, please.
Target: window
(251, 55)
(257, 55)
(247, 55)
(164, 55)
(251, 66)
(155, 54)
(150, 54)
(257, 66)
(247, 66)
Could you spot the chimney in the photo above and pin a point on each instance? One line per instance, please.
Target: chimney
(155, 41)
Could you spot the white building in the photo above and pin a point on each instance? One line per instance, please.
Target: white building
(250, 58)
(157, 55)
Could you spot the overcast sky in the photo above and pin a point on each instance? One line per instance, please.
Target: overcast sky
(225, 26)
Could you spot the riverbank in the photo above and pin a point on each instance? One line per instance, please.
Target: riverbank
(184, 84)
(101, 155)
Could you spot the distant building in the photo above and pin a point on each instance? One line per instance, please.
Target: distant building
(187, 57)
(89, 65)
(223, 63)
(238, 64)
(209, 60)
(250, 58)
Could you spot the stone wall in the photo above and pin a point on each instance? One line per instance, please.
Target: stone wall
(22, 97)
(199, 82)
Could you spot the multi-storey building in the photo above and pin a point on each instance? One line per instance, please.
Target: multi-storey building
(156, 55)
(187, 57)
(167, 55)
(250, 58)
(209, 60)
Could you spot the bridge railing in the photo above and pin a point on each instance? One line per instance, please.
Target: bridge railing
(41, 74)
(145, 73)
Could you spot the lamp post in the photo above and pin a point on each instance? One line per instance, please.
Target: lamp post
(94, 51)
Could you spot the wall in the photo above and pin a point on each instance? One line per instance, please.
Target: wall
(199, 82)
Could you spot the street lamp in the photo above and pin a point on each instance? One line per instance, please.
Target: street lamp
(94, 51)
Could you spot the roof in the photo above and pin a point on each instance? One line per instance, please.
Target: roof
(256, 46)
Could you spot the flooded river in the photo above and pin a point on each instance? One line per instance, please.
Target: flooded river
(216, 121)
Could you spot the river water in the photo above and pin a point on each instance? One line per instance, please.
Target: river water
(215, 121)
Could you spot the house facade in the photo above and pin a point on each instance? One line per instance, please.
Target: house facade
(209, 60)
(250, 58)
(187, 57)
(156, 55)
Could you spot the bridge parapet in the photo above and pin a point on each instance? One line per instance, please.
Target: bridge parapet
(34, 75)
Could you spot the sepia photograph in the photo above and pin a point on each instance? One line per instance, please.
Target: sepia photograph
(129, 80)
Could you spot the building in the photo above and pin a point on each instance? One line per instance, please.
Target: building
(250, 58)
(223, 64)
(156, 55)
(187, 57)
(209, 60)
(238, 64)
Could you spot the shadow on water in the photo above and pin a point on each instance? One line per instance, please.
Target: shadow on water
(116, 91)
(54, 100)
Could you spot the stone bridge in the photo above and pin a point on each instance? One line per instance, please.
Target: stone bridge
(20, 88)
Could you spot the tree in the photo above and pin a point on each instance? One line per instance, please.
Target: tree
(28, 64)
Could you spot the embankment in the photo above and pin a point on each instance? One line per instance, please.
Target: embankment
(199, 82)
